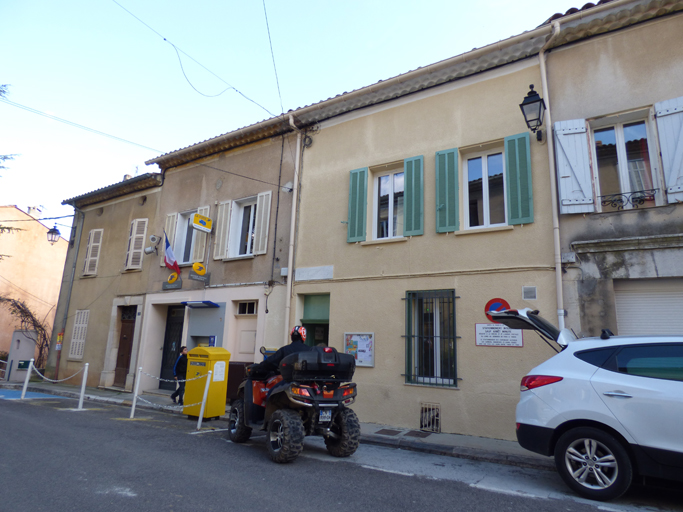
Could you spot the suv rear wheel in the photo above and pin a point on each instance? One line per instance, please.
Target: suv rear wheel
(593, 463)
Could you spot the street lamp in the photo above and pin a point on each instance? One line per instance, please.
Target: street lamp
(53, 235)
(533, 108)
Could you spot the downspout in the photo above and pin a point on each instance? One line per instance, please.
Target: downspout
(292, 230)
(553, 177)
(79, 232)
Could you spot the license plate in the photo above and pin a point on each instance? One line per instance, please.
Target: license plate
(325, 415)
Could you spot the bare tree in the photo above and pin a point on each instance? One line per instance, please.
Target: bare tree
(39, 332)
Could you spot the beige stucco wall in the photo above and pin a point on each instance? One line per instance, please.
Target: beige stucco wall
(32, 272)
(631, 69)
(370, 279)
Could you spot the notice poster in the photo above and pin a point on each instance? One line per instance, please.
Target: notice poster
(360, 345)
(498, 335)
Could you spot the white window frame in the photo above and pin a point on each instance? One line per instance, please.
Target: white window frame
(236, 220)
(136, 244)
(465, 158)
(617, 122)
(183, 226)
(397, 168)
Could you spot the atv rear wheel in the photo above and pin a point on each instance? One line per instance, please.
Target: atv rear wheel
(346, 430)
(238, 432)
(285, 438)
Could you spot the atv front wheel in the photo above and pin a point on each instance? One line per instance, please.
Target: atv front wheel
(345, 434)
(285, 438)
(238, 432)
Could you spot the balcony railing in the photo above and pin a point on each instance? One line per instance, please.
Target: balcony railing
(635, 199)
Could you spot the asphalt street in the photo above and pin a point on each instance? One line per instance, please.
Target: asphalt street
(54, 458)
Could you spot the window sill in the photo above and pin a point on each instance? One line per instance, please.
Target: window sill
(385, 241)
(433, 386)
(235, 258)
(483, 230)
(131, 270)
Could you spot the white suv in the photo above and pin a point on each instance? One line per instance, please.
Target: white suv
(607, 408)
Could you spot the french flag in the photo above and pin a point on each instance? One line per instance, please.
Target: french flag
(169, 257)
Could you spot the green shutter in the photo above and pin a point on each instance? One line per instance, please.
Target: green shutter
(518, 176)
(358, 191)
(447, 191)
(413, 212)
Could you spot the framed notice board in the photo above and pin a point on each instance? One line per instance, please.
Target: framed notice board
(360, 345)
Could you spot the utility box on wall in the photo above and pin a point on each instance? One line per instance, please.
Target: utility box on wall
(21, 351)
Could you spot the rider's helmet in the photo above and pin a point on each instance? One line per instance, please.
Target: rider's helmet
(298, 333)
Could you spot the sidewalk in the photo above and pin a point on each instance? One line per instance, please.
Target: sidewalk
(454, 445)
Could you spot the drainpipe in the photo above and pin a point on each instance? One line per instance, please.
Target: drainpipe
(553, 177)
(292, 229)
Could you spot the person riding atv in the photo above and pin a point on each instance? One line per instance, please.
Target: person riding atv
(298, 391)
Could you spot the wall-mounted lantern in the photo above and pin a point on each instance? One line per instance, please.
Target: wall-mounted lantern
(533, 108)
(53, 235)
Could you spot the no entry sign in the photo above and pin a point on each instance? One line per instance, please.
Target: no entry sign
(495, 305)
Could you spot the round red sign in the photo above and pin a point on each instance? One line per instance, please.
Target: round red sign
(495, 305)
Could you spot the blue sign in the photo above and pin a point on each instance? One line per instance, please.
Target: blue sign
(212, 341)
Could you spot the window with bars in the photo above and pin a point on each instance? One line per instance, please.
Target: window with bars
(430, 338)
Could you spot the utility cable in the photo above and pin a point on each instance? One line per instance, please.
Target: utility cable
(75, 125)
(179, 50)
(270, 41)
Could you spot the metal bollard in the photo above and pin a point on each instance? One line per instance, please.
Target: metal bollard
(28, 376)
(85, 378)
(206, 393)
(135, 394)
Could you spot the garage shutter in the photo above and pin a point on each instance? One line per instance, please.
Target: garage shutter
(649, 306)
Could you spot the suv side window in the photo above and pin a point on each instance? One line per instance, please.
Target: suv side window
(658, 361)
(597, 356)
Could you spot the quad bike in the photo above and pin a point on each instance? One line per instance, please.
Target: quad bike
(308, 396)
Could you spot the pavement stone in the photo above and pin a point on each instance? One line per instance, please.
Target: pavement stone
(454, 445)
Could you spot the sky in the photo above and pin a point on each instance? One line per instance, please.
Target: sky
(156, 76)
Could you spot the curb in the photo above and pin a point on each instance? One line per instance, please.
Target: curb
(460, 452)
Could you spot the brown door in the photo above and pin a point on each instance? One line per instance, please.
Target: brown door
(125, 345)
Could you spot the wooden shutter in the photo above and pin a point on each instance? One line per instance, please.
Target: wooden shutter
(136, 244)
(78, 336)
(92, 252)
(670, 127)
(358, 205)
(447, 191)
(574, 181)
(518, 179)
(169, 229)
(413, 213)
(220, 243)
(199, 246)
(262, 222)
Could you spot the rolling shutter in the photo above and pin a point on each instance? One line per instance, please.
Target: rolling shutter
(262, 222)
(413, 213)
(199, 247)
(358, 190)
(573, 167)
(518, 176)
(92, 252)
(447, 191)
(648, 306)
(136, 244)
(670, 127)
(169, 230)
(220, 244)
(78, 336)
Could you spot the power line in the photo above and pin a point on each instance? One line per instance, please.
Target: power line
(39, 220)
(277, 81)
(178, 49)
(75, 125)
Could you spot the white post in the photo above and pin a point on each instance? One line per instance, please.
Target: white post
(28, 376)
(206, 393)
(135, 394)
(85, 378)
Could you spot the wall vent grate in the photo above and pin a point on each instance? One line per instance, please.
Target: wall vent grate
(430, 417)
(529, 293)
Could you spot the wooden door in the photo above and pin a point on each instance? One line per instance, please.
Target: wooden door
(125, 345)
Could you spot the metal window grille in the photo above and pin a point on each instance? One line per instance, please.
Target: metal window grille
(430, 417)
(430, 338)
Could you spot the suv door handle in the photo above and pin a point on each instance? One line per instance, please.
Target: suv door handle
(617, 394)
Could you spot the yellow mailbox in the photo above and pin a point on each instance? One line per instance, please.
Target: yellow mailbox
(200, 361)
